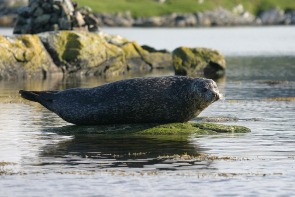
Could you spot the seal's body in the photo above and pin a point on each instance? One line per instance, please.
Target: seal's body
(138, 100)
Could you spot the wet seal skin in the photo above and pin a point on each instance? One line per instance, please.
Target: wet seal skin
(139, 100)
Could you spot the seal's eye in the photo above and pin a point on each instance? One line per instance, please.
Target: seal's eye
(204, 90)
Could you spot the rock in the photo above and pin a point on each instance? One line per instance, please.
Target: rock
(85, 53)
(63, 24)
(186, 20)
(42, 19)
(100, 54)
(223, 17)
(198, 62)
(120, 19)
(140, 58)
(38, 12)
(92, 22)
(23, 57)
(136, 57)
(43, 15)
(153, 50)
(12, 3)
(289, 17)
(271, 17)
(155, 129)
(79, 20)
(9, 12)
(66, 10)
(155, 21)
(159, 59)
(7, 20)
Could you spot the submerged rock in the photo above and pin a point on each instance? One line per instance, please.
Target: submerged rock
(155, 129)
(198, 62)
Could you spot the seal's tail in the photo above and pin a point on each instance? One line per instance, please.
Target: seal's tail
(29, 95)
(38, 96)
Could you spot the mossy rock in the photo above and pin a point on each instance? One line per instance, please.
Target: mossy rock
(134, 54)
(154, 129)
(135, 57)
(84, 52)
(198, 62)
(24, 56)
(160, 59)
(140, 58)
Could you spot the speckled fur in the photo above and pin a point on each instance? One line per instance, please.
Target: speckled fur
(138, 100)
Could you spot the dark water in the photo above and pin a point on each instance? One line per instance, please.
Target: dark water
(44, 156)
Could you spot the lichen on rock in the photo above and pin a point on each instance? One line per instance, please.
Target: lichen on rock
(24, 56)
(84, 52)
(140, 58)
(78, 53)
(198, 62)
(135, 56)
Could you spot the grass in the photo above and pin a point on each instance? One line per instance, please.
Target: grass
(153, 8)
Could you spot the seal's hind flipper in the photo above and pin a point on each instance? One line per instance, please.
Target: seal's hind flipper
(38, 96)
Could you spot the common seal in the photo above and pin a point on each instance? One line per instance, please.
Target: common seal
(138, 100)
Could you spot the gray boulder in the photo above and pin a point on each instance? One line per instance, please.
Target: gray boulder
(271, 17)
(43, 15)
(290, 17)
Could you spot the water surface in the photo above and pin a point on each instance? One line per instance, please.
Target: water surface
(234, 41)
(46, 157)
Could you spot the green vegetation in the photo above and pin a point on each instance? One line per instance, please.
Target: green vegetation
(154, 8)
(154, 129)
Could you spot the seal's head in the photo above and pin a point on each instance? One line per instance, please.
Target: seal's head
(206, 92)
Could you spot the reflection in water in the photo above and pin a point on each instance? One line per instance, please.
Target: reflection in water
(9, 88)
(117, 151)
(242, 82)
(261, 68)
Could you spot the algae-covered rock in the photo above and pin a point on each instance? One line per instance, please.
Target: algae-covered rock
(24, 56)
(160, 59)
(140, 58)
(135, 56)
(76, 52)
(84, 52)
(154, 129)
(198, 62)
(97, 54)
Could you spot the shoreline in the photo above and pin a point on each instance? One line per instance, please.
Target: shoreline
(219, 17)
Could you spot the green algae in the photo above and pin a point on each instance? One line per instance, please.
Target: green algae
(154, 129)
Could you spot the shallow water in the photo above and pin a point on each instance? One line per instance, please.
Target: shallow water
(47, 158)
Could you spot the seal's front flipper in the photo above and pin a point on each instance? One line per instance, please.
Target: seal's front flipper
(38, 96)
